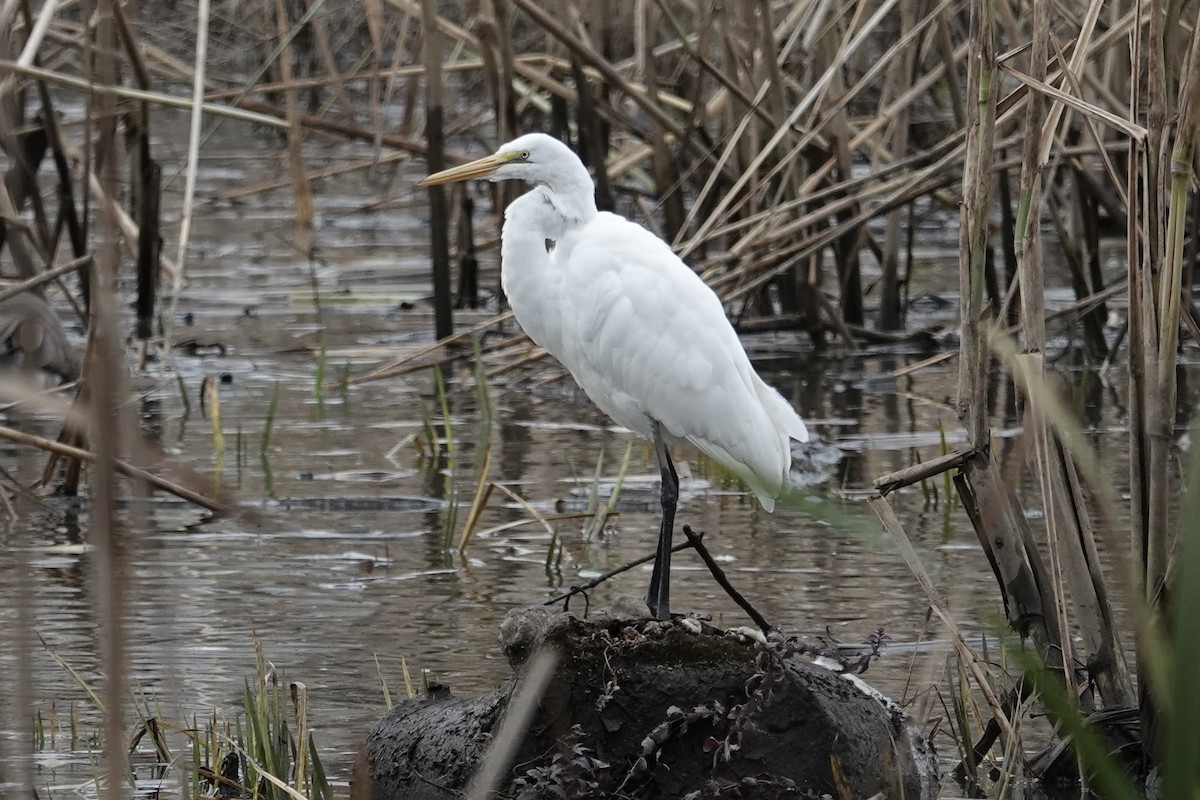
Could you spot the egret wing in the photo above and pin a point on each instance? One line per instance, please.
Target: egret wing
(649, 341)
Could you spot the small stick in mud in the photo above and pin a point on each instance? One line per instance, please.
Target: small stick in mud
(694, 539)
(583, 589)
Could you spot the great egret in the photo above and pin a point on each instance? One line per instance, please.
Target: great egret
(641, 333)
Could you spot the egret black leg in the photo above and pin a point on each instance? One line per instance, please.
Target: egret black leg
(658, 598)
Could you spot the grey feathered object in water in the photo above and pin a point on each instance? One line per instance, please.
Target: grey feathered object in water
(32, 339)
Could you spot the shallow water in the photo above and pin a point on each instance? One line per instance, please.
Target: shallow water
(346, 570)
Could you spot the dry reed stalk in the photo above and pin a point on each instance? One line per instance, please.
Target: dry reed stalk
(130, 234)
(271, 120)
(193, 160)
(105, 427)
(66, 181)
(941, 610)
(315, 176)
(1058, 652)
(408, 363)
(846, 248)
(320, 31)
(526, 697)
(611, 76)
(216, 505)
(973, 227)
(662, 165)
(508, 123)
(699, 110)
(431, 50)
(1002, 528)
(1146, 411)
(890, 310)
(302, 197)
(45, 277)
(373, 17)
(21, 245)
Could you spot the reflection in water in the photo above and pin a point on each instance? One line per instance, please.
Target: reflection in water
(334, 589)
(298, 580)
(330, 588)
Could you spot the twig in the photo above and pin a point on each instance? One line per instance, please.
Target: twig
(594, 582)
(923, 471)
(694, 540)
(123, 467)
(166, 100)
(45, 277)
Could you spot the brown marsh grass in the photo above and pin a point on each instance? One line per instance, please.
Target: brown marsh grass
(788, 150)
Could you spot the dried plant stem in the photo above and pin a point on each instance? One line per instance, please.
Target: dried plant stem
(105, 429)
(973, 228)
(193, 160)
(42, 278)
(887, 515)
(302, 199)
(120, 466)
(116, 90)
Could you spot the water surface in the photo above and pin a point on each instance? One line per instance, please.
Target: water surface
(349, 570)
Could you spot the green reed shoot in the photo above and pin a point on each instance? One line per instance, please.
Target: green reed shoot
(450, 518)
(615, 495)
(958, 684)
(1106, 777)
(319, 379)
(269, 422)
(274, 753)
(482, 392)
(483, 450)
(599, 515)
(1176, 677)
(211, 392)
(928, 491)
(443, 400)
(947, 478)
(479, 499)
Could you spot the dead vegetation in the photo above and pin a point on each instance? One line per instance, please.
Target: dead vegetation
(791, 152)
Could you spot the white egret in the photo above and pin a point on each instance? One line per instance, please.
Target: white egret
(641, 333)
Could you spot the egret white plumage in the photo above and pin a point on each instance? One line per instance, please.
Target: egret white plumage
(640, 332)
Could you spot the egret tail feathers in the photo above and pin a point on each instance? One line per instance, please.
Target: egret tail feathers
(768, 483)
(780, 411)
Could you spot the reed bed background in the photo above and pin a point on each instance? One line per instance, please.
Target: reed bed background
(791, 152)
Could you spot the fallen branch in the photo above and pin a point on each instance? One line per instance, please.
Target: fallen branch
(923, 471)
(45, 277)
(123, 467)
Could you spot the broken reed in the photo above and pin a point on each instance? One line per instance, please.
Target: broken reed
(1080, 653)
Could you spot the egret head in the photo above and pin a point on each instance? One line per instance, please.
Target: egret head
(534, 157)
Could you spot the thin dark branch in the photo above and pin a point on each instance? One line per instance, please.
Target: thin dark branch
(694, 540)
